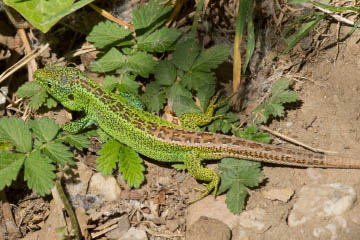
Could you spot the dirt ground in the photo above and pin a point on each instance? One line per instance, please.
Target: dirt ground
(326, 117)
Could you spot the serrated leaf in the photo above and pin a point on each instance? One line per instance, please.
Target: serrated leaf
(211, 58)
(252, 133)
(110, 82)
(279, 86)
(131, 166)
(59, 153)
(111, 60)
(149, 16)
(10, 165)
(204, 94)
(44, 14)
(128, 84)
(109, 155)
(107, 34)
(165, 73)
(39, 172)
(182, 100)
(196, 80)
(79, 141)
(235, 198)
(15, 131)
(50, 103)
(285, 97)
(154, 97)
(160, 40)
(44, 128)
(35, 92)
(275, 110)
(140, 63)
(185, 54)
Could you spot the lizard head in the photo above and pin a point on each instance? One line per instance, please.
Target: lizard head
(61, 83)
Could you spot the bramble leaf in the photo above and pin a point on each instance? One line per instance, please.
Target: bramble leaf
(10, 165)
(15, 131)
(160, 40)
(154, 97)
(44, 128)
(35, 92)
(140, 63)
(59, 153)
(39, 172)
(107, 34)
(185, 54)
(109, 155)
(79, 141)
(165, 73)
(111, 60)
(211, 58)
(131, 166)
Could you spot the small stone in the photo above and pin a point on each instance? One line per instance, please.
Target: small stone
(208, 228)
(253, 219)
(281, 194)
(321, 201)
(105, 186)
(134, 234)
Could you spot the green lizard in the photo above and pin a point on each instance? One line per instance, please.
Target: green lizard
(158, 139)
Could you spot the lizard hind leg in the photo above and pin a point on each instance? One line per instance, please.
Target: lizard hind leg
(193, 165)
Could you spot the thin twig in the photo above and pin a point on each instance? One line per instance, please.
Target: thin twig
(289, 139)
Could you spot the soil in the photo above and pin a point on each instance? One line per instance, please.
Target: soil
(326, 117)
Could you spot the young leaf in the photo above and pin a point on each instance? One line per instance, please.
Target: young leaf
(165, 73)
(185, 54)
(237, 174)
(140, 63)
(44, 128)
(10, 165)
(15, 131)
(154, 97)
(252, 133)
(39, 173)
(150, 16)
(79, 141)
(107, 34)
(109, 155)
(110, 82)
(59, 153)
(160, 40)
(211, 58)
(131, 166)
(111, 60)
(35, 92)
(50, 103)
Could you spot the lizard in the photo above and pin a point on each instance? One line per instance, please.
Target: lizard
(164, 141)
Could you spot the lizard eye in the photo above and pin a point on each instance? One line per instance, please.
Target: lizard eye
(71, 97)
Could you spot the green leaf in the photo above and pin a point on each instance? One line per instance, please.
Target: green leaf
(182, 100)
(211, 58)
(204, 94)
(107, 34)
(15, 131)
(252, 133)
(279, 86)
(111, 60)
(165, 73)
(140, 63)
(286, 97)
(59, 153)
(131, 166)
(50, 103)
(109, 155)
(45, 129)
(154, 97)
(128, 84)
(10, 165)
(79, 141)
(160, 40)
(274, 109)
(250, 36)
(196, 80)
(150, 16)
(236, 174)
(185, 54)
(110, 82)
(44, 14)
(36, 93)
(39, 173)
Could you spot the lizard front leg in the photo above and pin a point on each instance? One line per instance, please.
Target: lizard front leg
(76, 126)
(193, 164)
(197, 120)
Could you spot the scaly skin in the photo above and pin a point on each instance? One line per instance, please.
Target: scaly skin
(161, 140)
